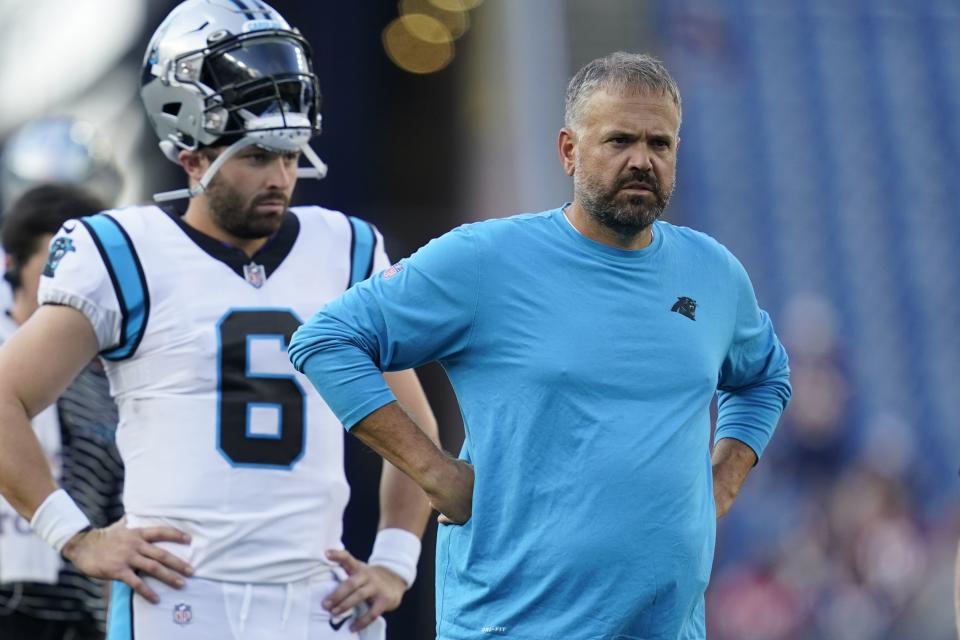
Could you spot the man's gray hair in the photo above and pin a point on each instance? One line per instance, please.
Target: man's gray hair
(619, 73)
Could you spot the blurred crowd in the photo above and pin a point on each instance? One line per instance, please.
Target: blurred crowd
(829, 539)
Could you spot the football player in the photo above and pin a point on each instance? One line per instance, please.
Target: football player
(235, 486)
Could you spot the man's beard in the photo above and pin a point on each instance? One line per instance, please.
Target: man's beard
(625, 218)
(231, 214)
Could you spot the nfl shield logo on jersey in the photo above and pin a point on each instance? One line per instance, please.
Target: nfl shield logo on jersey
(182, 614)
(255, 274)
(392, 271)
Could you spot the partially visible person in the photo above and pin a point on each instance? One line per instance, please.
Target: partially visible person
(585, 344)
(43, 597)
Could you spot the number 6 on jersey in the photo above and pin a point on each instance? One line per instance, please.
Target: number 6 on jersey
(261, 415)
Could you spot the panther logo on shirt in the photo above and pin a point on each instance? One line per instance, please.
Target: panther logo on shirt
(686, 307)
(58, 249)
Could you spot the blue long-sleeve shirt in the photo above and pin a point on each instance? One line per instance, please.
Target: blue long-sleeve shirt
(584, 375)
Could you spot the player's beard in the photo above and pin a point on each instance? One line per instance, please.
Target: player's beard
(624, 215)
(239, 218)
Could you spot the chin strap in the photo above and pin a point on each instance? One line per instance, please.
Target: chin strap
(318, 170)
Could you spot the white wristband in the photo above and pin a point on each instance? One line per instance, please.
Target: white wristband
(57, 519)
(397, 550)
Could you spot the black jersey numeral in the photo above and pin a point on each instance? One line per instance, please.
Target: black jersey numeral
(242, 392)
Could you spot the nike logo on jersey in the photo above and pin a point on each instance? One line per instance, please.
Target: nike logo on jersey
(336, 625)
(69, 229)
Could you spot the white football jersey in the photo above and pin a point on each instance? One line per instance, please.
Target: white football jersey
(220, 437)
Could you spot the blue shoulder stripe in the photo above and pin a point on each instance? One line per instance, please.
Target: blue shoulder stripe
(362, 244)
(129, 283)
(120, 621)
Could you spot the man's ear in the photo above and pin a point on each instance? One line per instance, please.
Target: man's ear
(194, 163)
(567, 146)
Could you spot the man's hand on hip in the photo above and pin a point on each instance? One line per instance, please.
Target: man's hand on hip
(377, 587)
(731, 461)
(452, 493)
(119, 553)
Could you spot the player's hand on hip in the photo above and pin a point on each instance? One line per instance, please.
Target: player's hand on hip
(378, 587)
(453, 495)
(119, 553)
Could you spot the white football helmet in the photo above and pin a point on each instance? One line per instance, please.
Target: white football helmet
(230, 72)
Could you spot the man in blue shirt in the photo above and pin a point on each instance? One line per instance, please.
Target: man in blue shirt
(584, 344)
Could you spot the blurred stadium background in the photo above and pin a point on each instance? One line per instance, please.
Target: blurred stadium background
(821, 143)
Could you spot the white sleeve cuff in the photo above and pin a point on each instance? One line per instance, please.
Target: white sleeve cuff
(57, 519)
(397, 550)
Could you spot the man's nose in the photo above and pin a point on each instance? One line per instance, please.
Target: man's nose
(640, 159)
(281, 173)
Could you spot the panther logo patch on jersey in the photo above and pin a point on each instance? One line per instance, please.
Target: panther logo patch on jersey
(60, 248)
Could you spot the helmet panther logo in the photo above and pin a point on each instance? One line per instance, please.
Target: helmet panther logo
(686, 307)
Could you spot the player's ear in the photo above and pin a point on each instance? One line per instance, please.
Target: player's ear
(194, 163)
(567, 147)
